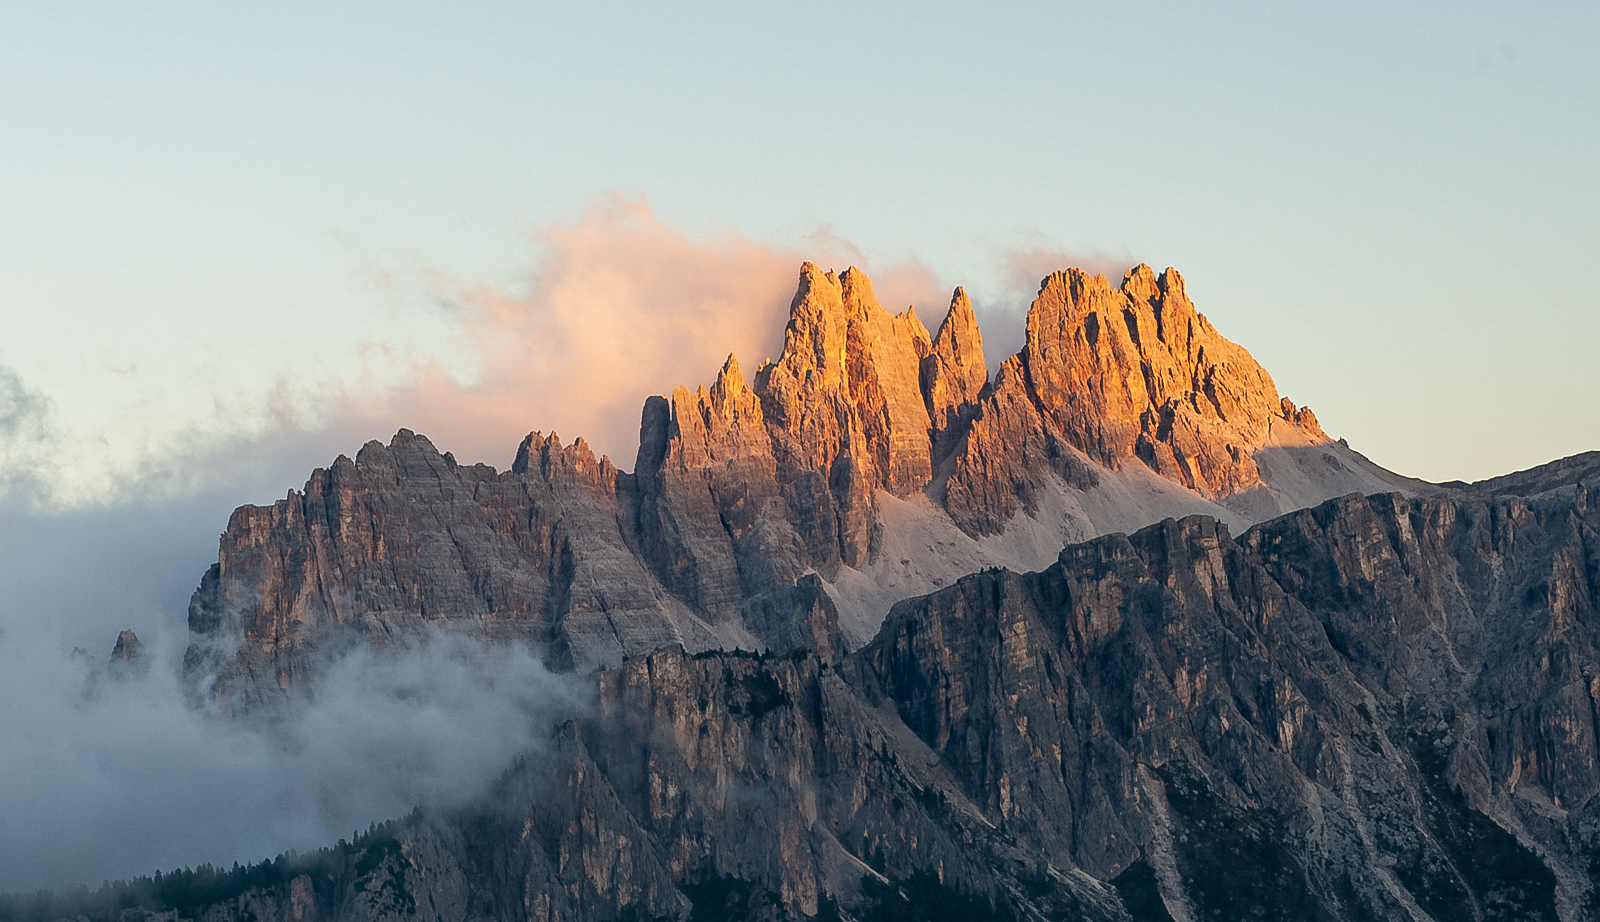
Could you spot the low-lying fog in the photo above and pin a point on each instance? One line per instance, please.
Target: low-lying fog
(108, 774)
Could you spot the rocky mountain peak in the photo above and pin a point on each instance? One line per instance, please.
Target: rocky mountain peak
(1137, 373)
(959, 346)
(857, 294)
(953, 375)
(128, 649)
(818, 698)
(1140, 284)
(128, 656)
(547, 456)
(730, 382)
(750, 500)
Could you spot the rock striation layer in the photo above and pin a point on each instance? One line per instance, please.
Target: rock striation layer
(754, 504)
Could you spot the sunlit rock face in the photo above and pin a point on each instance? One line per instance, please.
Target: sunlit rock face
(953, 376)
(869, 462)
(1126, 375)
(792, 465)
(1137, 372)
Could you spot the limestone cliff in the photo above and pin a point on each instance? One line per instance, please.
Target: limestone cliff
(1379, 708)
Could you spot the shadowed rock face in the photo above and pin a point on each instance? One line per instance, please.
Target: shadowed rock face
(1379, 708)
(1363, 684)
(376, 548)
(749, 498)
(128, 651)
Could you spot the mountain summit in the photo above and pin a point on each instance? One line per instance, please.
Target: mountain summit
(870, 462)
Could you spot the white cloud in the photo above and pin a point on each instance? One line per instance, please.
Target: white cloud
(108, 777)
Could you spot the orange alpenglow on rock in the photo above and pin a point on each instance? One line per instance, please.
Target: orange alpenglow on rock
(1138, 372)
(749, 495)
(844, 400)
(954, 374)
(1122, 374)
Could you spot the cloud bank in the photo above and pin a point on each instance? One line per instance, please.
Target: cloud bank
(111, 775)
(619, 305)
(610, 308)
(26, 434)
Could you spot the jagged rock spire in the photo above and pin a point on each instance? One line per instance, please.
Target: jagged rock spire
(128, 649)
(954, 374)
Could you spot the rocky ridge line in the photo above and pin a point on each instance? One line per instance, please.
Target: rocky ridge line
(750, 498)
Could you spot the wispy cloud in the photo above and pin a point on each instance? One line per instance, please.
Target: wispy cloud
(28, 435)
(1003, 314)
(619, 305)
(110, 776)
(611, 307)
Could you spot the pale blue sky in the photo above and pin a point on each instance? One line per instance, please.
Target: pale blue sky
(1393, 206)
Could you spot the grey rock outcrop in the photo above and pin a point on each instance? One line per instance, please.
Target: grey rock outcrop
(1380, 708)
(128, 651)
(127, 657)
(1564, 472)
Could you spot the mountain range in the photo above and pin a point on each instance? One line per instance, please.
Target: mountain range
(1118, 632)
(871, 462)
